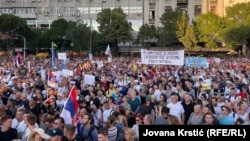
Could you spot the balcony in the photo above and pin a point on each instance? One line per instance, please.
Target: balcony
(182, 1)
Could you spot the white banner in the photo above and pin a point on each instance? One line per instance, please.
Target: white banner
(61, 56)
(162, 57)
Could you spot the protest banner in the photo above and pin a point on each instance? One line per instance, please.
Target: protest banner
(162, 57)
(196, 62)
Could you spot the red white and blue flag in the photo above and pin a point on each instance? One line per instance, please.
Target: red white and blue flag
(51, 79)
(70, 109)
(19, 58)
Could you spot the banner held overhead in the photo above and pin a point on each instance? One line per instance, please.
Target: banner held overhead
(162, 57)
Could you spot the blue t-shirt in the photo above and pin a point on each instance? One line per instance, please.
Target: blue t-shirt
(226, 120)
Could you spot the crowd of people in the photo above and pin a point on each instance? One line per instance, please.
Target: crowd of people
(125, 95)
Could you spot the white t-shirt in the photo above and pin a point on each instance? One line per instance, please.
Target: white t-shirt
(176, 110)
(106, 114)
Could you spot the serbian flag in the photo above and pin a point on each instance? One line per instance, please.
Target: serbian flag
(51, 79)
(70, 109)
(18, 58)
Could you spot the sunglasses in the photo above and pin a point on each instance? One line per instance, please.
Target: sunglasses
(137, 120)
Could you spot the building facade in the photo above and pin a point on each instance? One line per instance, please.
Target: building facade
(153, 9)
(41, 13)
(219, 6)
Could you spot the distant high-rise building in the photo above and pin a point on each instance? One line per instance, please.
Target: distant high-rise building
(41, 13)
(153, 9)
(219, 6)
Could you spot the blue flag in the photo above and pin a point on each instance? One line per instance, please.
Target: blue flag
(53, 59)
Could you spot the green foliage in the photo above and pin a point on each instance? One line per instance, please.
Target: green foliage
(236, 34)
(182, 24)
(79, 34)
(167, 34)
(58, 29)
(208, 26)
(113, 26)
(146, 33)
(189, 40)
(9, 22)
(237, 24)
(37, 40)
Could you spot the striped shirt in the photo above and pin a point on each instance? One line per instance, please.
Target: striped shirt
(112, 133)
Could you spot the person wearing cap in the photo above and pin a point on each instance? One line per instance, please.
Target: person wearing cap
(38, 135)
(224, 118)
(56, 134)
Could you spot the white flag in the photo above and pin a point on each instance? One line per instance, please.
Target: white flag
(108, 52)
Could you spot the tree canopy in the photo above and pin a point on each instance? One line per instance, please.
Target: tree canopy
(113, 27)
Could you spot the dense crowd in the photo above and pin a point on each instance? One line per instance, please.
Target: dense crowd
(124, 95)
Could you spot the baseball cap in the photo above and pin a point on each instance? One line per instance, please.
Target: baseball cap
(56, 132)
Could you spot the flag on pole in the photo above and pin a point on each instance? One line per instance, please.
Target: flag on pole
(53, 44)
(108, 52)
(51, 79)
(19, 58)
(69, 112)
(53, 58)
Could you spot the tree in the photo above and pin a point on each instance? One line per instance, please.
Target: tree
(57, 32)
(79, 35)
(190, 40)
(114, 27)
(10, 23)
(182, 24)
(237, 25)
(145, 34)
(208, 26)
(167, 33)
(238, 14)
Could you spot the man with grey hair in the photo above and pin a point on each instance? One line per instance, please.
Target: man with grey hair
(101, 97)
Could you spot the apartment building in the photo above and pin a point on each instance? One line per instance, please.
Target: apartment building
(219, 6)
(41, 13)
(153, 9)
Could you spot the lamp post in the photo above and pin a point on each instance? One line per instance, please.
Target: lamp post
(90, 41)
(24, 46)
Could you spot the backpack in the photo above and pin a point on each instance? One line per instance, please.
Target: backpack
(234, 97)
(120, 131)
(89, 137)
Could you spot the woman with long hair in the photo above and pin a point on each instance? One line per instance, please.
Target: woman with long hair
(122, 118)
(38, 135)
(112, 130)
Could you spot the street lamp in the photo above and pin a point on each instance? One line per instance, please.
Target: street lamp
(24, 46)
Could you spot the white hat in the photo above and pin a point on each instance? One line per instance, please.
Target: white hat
(40, 131)
(228, 82)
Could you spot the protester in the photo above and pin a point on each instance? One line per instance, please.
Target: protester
(34, 94)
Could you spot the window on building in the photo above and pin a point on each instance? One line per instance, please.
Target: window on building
(197, 9)
(66, 10)
(168, 8)
(151, 14)
(183, 8)
(213, 1)
(213, 9)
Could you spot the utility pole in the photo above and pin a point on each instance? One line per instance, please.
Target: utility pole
(90, 40)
